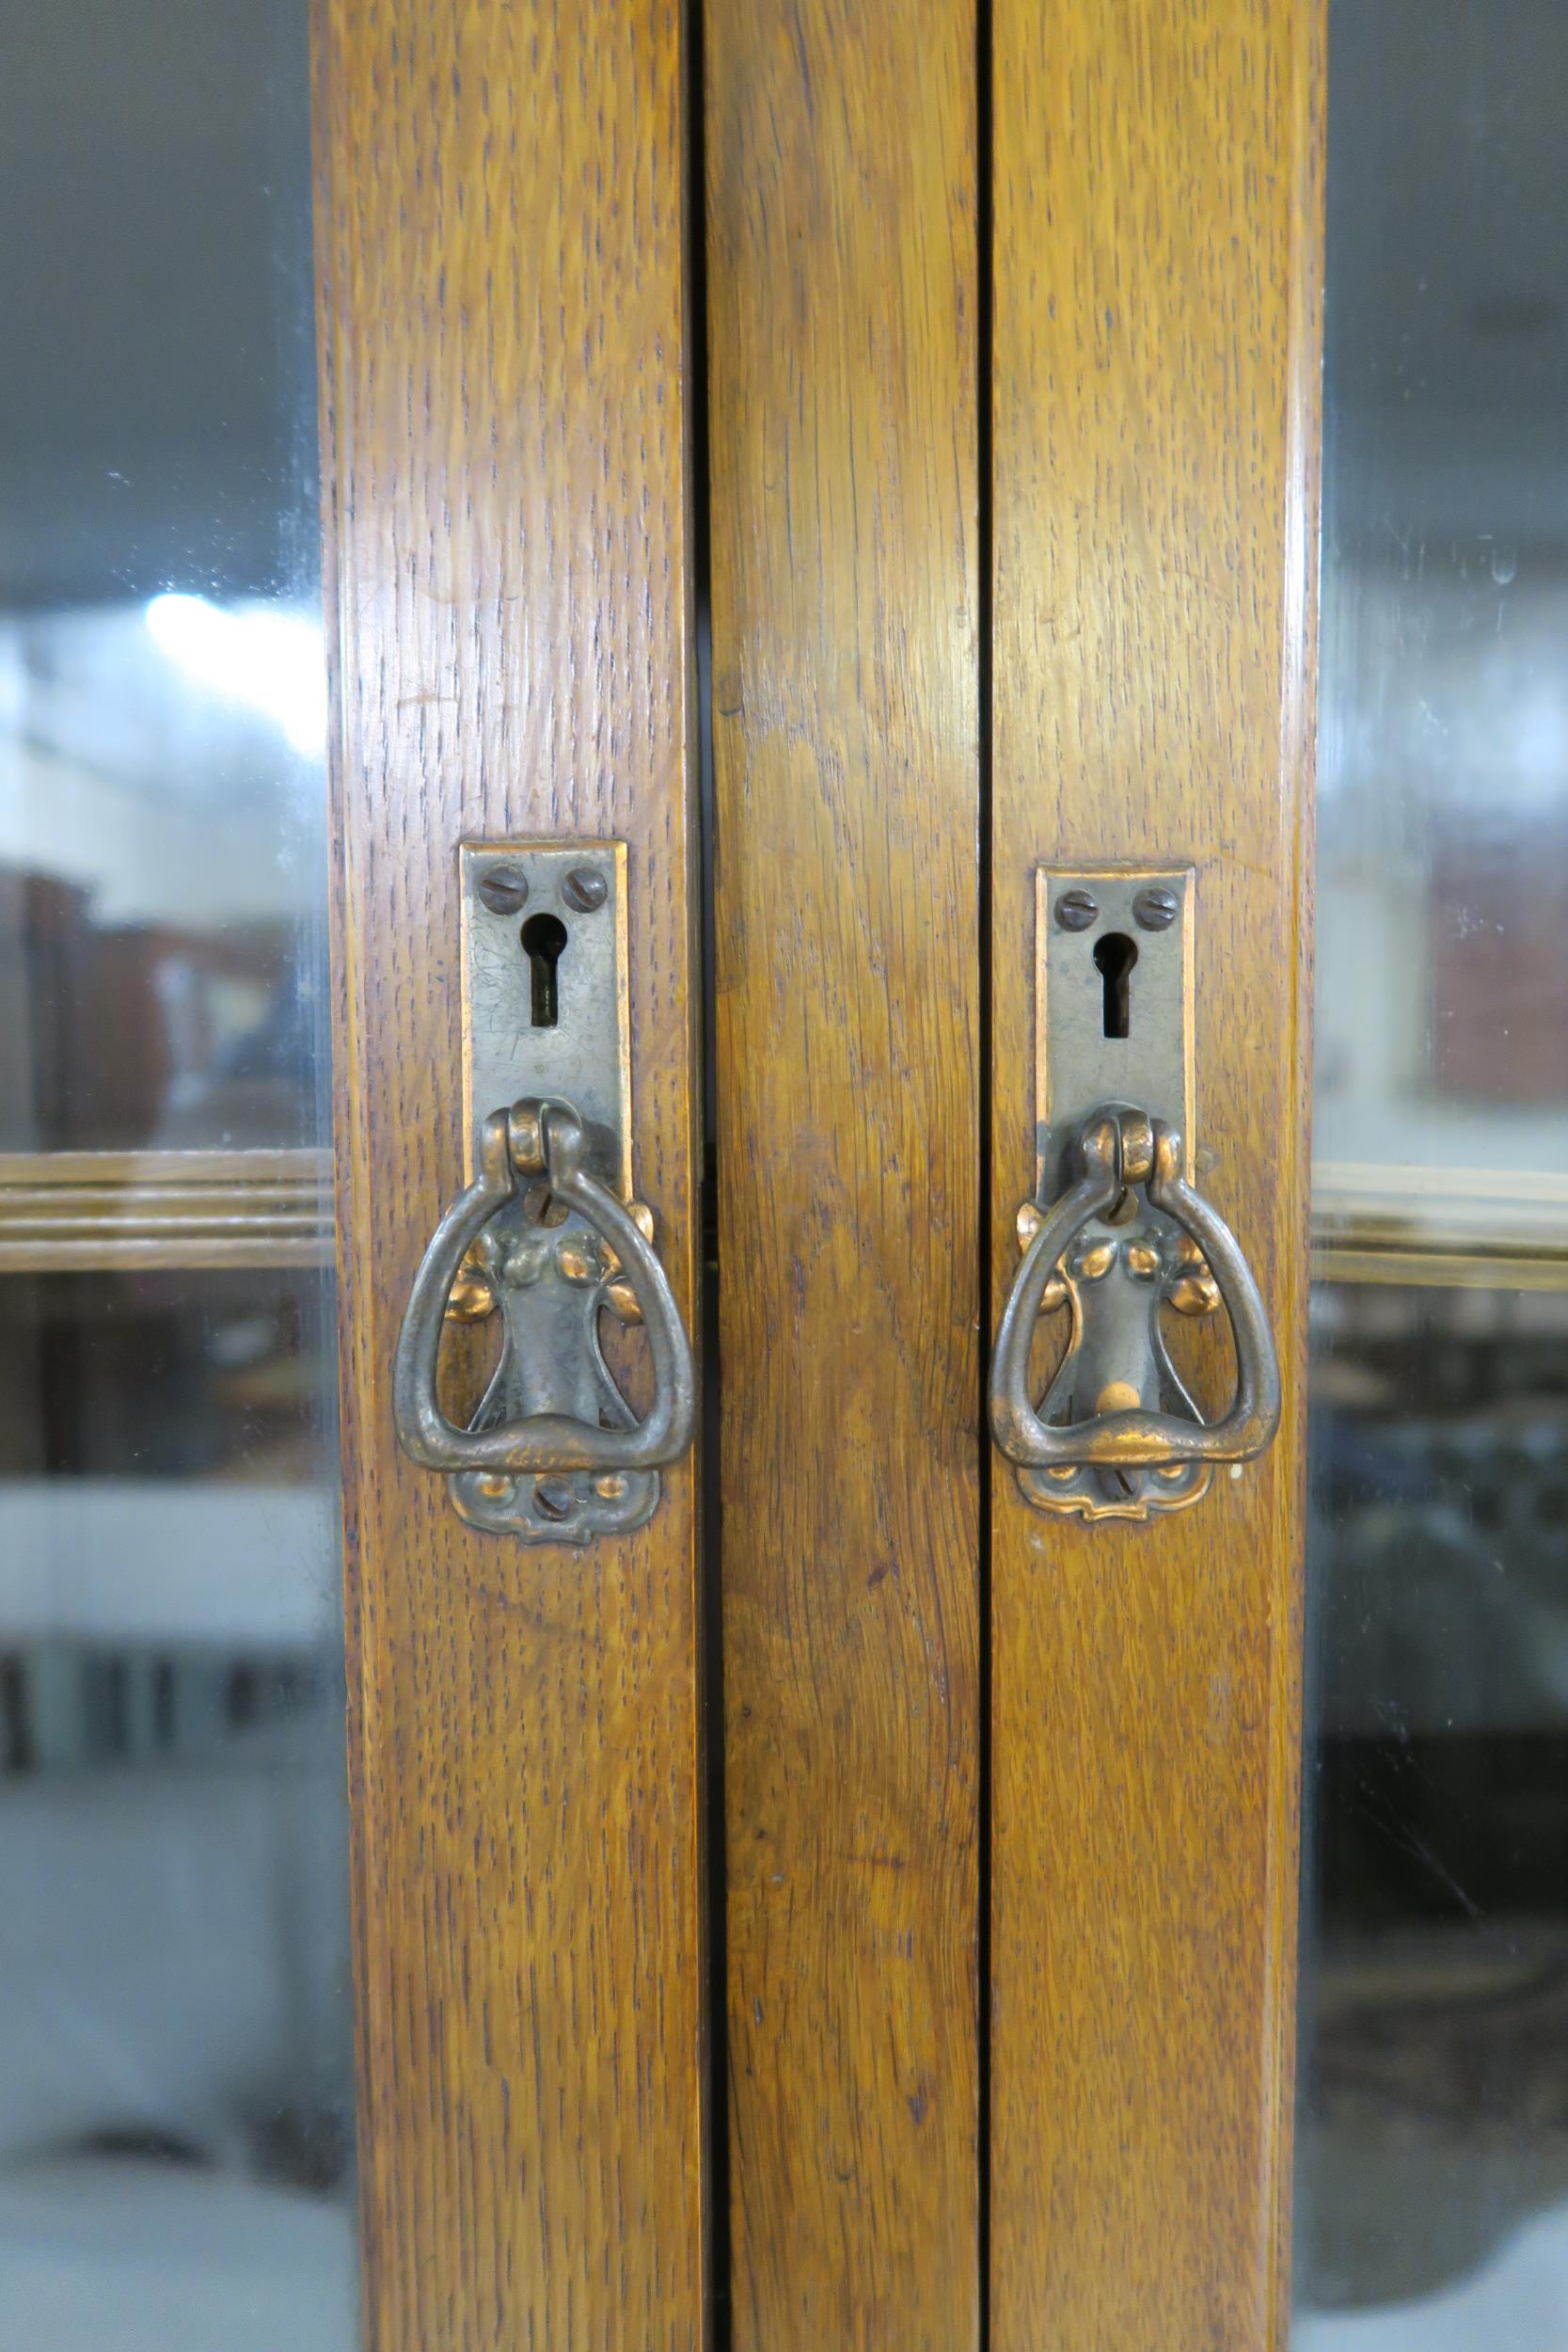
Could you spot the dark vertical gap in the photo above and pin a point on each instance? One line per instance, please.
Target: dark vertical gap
(985, 346)
(163, 1703)
(717, 1910)
(17, 1753)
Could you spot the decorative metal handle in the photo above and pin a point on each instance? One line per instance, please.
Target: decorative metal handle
(1107, 1417)
(543, 1415)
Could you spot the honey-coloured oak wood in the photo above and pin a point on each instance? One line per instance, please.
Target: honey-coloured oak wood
(1157, 258)
(502, 325)
(843, 287)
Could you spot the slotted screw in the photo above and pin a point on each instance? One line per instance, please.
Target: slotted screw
(1156, 908)
(503, 888)
(555, 1498)
(584, 889)
(1077, 909)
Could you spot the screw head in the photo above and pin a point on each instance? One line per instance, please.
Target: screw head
(555, 1498)
(1077, 909)
(1156, 908)
(503, 888)
(584, 889)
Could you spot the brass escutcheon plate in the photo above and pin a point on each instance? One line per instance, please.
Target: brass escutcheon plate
(545, 1013)
(1077, 1066)
(583, 1057)
(1081, 920)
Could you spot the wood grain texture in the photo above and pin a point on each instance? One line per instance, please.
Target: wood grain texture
(503, 346)
(842, 278)
(1157, 244)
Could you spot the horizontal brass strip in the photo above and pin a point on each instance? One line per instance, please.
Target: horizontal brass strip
(96, 1212)
(1450, 1228)
(105, 1212)
(1436, 1269)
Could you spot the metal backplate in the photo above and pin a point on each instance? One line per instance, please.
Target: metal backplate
(545, 1013)
(583, 1057)
(1077, 1066)
(1138, 921)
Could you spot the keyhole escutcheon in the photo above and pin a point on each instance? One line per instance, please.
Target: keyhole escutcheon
(1114, 957)
(544, 938)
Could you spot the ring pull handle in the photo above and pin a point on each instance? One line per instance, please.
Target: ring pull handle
(1116, 1435)
(553, 1452)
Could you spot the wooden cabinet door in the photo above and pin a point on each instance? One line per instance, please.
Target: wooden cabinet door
(506, 385)
(945, 375)
(843, 272)
(1157, 253)
(825, 492)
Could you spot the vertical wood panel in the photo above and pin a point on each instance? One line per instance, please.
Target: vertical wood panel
(842, 275)
(1157, 261)
(505, 404)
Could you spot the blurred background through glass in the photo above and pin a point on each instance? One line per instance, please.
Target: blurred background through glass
(176, 2091)
(1432, 2133)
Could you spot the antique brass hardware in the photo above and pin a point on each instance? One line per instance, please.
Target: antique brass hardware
(553, 1452)
(1112, 1004)
(546, 1233)
(1117, 1435)
(1115, 1231)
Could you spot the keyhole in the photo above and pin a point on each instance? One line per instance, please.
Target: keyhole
(1114, 957)
(544, 938)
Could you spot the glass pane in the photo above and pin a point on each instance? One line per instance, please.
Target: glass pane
(176, 2073)
(162, 694)
(1433, 2141)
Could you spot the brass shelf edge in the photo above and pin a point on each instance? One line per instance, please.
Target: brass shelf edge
(105, 1212)
(1450, 1228)
(1435, 1269)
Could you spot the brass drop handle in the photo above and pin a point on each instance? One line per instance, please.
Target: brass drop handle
(1105, 1441)
(543, 1417)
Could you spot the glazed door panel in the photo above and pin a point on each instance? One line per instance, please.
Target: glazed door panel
(176, 1996)
(1431, 2188)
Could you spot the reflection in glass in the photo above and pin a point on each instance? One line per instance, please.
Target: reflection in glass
(175, 2093)
(176, 2087)
(162, 690)
(160, 854)
(1432, 2137)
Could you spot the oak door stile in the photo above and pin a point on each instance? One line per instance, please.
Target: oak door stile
(1157, 258)
(506, 402)
(843, 285)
